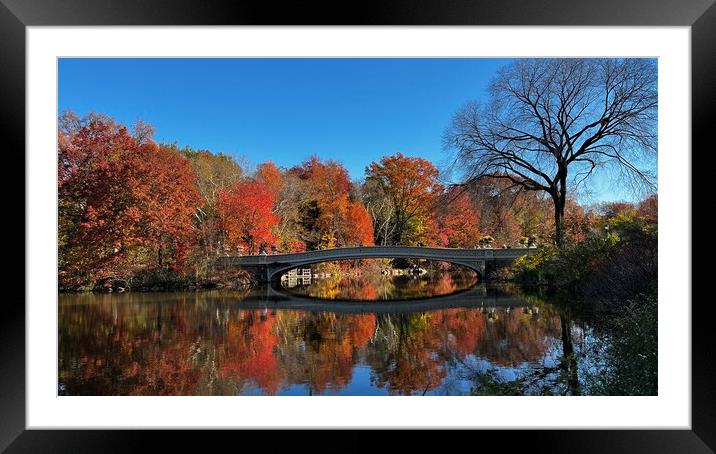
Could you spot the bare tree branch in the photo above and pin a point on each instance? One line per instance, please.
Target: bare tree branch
(547, 119)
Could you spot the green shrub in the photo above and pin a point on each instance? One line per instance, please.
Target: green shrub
(615, 266)
(632, 349)
(536, 268)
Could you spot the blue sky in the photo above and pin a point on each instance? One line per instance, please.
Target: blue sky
(351, 110)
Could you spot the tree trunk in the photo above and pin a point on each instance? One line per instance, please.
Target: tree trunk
(558, 224)
(560, 200)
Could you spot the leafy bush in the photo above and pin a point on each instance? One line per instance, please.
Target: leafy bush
(617, 266)
(158, 279)
(632, 350)
(536, 268)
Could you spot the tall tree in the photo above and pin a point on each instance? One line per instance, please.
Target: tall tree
(167, 199)
(411, 184)
(246, 213)
(458, 220)
(330, 185)
(291, 207)
(124, 202)
(214, 173)
(380, 207)
(271, 175)
(360, 226)
(549, 124)
(324, 203)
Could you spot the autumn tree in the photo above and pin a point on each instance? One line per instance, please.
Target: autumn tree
(612, 209)
(500, 207)
(167, 199)
(411, 186)
(214, 172)
(649, 208)
(329, 187)
(246, 213)
(577, 221)
(317, 205)
(124, 203)
(271, 176)
(359, 229)
(458, 220)
(550, 124)
(291, 208)
(322, 196)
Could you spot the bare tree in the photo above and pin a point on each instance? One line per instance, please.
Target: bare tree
(381, 210)
(550, 124)
(142, 131)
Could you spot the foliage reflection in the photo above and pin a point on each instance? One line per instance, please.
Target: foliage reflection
(222, 344)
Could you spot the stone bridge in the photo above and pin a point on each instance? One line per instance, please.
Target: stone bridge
(269, 268)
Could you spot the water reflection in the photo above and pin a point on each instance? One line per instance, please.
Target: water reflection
(392, 284)
(264, 342)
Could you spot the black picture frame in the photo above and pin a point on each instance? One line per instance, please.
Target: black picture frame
(700, 15)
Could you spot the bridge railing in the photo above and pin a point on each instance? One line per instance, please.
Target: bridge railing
(350, 253)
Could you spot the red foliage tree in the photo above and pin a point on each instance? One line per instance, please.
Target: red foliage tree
(611, 209)
(122, 202)
(458, 221)
(577, 222)
(246, 213)
(359, 230)
(649, 208)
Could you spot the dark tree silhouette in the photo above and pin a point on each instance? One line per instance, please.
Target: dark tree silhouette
(550, 124)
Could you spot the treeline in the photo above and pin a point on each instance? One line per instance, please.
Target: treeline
(132, 209)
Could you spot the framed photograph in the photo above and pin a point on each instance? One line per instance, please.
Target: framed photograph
(418, 216)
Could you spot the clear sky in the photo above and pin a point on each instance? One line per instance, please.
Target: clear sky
(351, 110)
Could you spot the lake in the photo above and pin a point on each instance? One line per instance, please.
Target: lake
(440, 333)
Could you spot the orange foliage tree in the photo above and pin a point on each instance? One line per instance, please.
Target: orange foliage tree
(359, 230)
(246, 213)
(271, 176)
(329, 187)
(329, 217)
(412, 185)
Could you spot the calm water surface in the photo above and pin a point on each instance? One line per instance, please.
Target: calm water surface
(439, 334)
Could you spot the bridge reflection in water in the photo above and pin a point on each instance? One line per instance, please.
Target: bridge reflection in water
(480, 296)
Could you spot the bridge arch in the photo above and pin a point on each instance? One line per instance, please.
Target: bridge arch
(477, 267)
(271, 266)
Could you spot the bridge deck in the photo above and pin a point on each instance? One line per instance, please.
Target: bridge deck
(272, 266)
(350, 253)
